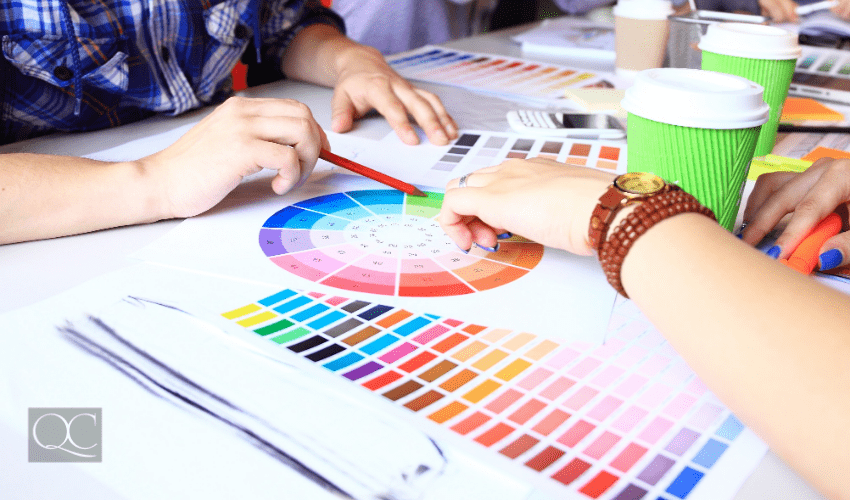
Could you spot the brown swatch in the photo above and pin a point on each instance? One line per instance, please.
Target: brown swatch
(437, 371)
(424, 400)
(402, 390)
(361, 335)
(458, 380)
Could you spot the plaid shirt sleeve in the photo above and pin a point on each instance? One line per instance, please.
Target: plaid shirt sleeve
(81, 65)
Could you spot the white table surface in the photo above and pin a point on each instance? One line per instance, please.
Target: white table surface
(33, 271)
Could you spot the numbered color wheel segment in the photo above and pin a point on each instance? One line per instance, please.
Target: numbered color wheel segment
(387, 243)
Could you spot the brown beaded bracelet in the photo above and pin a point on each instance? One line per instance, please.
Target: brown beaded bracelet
(651, 211)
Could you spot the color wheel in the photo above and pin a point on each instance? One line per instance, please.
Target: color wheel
(387, 243)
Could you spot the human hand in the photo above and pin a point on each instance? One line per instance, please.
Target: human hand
(779, 11)
(809, 196)
(365, 81)
(540, 199)
(240, 137)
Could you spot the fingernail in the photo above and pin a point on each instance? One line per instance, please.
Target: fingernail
(774, 251)
(503, 236)
(740, 236)
(489, 249)
(461, 249)
(830, 259)
(442, 137)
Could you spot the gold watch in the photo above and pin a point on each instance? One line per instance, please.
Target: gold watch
(627, 189)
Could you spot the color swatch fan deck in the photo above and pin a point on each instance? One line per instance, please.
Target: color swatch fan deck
(388, 243)
(505, 76)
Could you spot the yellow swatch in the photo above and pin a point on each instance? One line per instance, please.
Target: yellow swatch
(483, 390)
(513, 369)
(775, 163)
(259, 318)
(242, 311)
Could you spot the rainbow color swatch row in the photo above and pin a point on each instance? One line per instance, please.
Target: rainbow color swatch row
(387, 243)
(491, 73)
(625, 420)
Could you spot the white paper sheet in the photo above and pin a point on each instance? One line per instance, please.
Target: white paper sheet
(154, 443)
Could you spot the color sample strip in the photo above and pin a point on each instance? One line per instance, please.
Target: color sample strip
(567, 412)
(483, 72)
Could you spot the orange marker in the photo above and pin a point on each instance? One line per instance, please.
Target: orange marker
(805, 257)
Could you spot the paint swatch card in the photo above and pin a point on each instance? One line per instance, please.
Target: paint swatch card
(506, 76)
(431, 165)
(623, 421)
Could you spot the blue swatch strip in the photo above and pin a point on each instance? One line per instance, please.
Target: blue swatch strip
(310, 312)
(381, 343)
(340, 363)
(411, 326)
(292, 304)
(278, 297)
(731, 428)
(685, 482)
(374, 312)
(326, 320)
(709, 453)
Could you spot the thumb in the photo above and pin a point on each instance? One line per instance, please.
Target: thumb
(342, 112)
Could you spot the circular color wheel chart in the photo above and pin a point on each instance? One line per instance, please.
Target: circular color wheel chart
(387, 243)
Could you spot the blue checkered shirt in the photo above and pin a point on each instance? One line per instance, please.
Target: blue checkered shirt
(86, 65)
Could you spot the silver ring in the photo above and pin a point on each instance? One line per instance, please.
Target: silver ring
(462, 182)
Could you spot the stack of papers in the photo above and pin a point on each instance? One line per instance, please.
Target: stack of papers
(568, 36)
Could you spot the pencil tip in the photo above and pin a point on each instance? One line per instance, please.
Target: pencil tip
(417, 192)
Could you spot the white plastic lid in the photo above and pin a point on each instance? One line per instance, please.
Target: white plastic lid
(754, 41)
(696, 98)
(644, 9)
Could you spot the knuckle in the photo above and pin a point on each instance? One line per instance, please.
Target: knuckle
(809, 205)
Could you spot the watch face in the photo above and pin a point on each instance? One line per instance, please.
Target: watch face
(640, 183)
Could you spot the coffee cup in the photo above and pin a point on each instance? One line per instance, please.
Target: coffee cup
(767, 55)
(696, 129)
(641, 29)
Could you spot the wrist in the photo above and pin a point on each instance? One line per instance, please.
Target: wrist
(149, 179)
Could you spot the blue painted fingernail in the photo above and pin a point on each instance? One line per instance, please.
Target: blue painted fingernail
(489, 249)
(740, 236)
(461, 249)
(774, 251)
(830, 259)
(503, 236)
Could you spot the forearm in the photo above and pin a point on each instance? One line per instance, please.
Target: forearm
(319, 54)
(311, 55)
(771, 343)
(45, 196)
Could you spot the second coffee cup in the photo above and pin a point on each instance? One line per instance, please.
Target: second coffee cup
(641, 29)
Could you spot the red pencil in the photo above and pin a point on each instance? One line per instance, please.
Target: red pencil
(368, 172)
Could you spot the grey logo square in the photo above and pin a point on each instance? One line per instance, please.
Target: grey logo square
(65, 435)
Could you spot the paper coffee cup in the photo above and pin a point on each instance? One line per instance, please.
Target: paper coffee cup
(697, 129)
(766, 55)
(641, 30)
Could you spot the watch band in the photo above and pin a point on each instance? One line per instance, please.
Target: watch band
(606, 210)
(652, 210)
